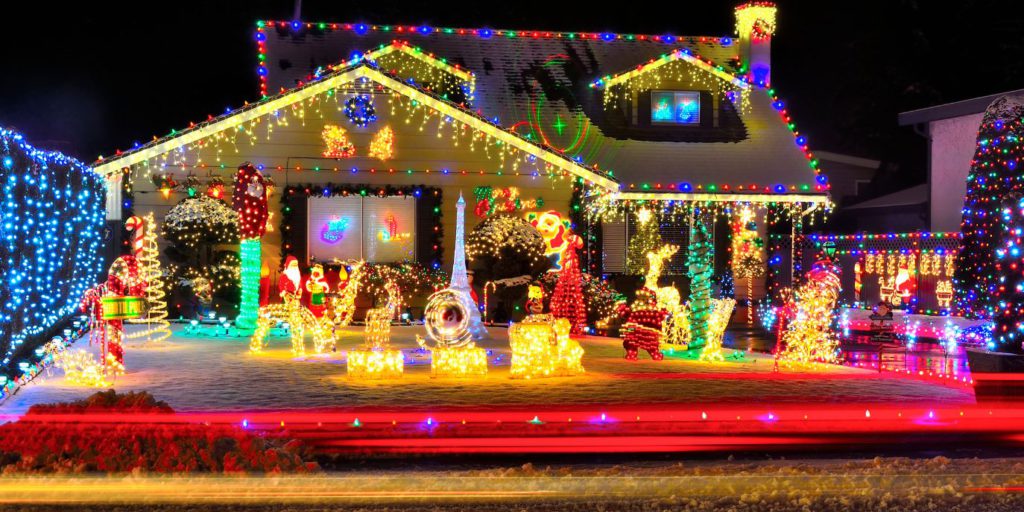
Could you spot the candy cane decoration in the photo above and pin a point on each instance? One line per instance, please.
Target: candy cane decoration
(137, 226)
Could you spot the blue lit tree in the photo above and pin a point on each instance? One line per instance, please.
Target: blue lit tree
(51, 222)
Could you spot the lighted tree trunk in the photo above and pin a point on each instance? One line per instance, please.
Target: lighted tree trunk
(700, 258)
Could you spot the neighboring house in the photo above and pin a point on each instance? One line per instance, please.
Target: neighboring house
(903, 211)
(624, 120)
(952, 131)
(849, 176)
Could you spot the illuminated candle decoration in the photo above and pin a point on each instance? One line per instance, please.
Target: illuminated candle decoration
(376, 359)
(249, 199)
(336, 142)
(809, 337)
(382, 146)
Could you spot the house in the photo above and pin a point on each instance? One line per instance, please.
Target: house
(358, 125)
(952, 132)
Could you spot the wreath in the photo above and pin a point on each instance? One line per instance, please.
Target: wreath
(359, 110)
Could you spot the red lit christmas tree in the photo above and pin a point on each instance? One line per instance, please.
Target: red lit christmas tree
(567, 301)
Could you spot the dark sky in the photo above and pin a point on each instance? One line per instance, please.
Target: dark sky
(95, 76)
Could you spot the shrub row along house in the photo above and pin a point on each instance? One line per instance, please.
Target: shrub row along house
(370, 133)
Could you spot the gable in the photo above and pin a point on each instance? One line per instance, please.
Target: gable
(191, 148)
(538, 85)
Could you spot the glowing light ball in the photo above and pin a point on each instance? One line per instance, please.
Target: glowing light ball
(447, 320)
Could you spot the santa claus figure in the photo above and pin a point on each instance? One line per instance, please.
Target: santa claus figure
(316, 285)
(642, 330)
(291, 279)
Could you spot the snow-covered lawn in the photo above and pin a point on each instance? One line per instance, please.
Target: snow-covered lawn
(206, 373)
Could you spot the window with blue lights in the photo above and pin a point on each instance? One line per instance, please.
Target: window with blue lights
(675, 107)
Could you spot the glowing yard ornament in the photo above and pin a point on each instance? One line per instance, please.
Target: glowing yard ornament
(79, 366)
(382, 147)
(718, 320)
(376, 359)
(292, 312)
(809, 337)
(567, 300)
(447, 320)
(642, 328)
(147, 254)
(460, 281)
(558, 236)
(944, 293)
(108, 304)
(747, 257)
(540, 344)
(342, 305)
(336, 142)
(675, 329)
(249, 199)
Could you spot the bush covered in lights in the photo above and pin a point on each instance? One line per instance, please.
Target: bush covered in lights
(505, 246)
(199, 231)
(51, 219)
(987, 279)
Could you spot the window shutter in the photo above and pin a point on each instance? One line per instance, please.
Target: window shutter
(613, 238)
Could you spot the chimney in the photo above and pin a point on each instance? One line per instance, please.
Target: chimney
(755, 25)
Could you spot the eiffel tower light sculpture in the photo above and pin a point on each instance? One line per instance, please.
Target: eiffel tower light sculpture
(460, 281)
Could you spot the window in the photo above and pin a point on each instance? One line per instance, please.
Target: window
(675, 107)
(377, 229)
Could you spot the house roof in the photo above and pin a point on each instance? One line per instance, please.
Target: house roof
(538, 83)
(915, 195)
(355, 69)
(955, 109)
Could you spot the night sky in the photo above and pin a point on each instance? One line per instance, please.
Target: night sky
(92, 77)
